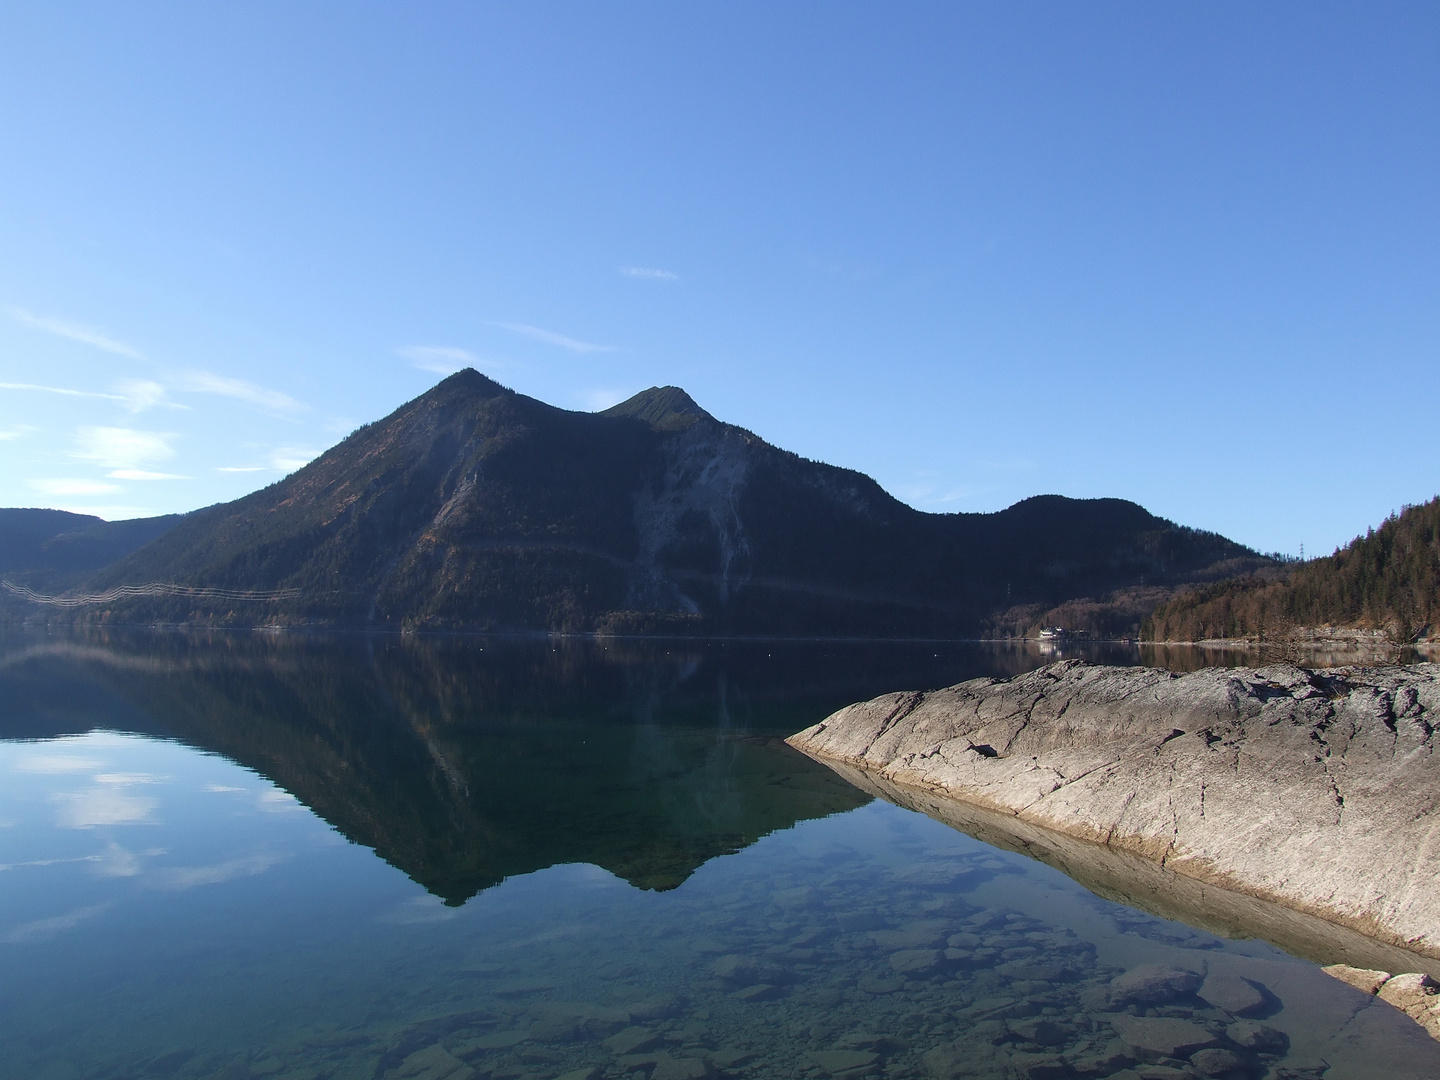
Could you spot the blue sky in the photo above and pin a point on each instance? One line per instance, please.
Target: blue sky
(1186, 254)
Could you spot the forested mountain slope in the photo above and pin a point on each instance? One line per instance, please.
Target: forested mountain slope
(44, 546)
(1388, 579)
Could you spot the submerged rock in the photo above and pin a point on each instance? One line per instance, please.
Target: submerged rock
(668, 1068)
(1153, 984)
(432, 1063)
(1217, 1061)
(1233, 994)
(633, 1040)
(1163, 1035)
(840, 1062)
(1258, 1037)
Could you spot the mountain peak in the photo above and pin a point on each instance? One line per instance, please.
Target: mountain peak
(665, 408)
(468, 379)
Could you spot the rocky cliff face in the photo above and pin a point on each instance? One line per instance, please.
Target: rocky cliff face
(1317, 790)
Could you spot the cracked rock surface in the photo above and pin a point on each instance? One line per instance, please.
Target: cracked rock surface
(1314, 789)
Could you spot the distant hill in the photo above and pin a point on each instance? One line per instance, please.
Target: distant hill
(1388, 579)
(479, 508)
(45, 546)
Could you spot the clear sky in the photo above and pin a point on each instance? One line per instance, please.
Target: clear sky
(1182, 253)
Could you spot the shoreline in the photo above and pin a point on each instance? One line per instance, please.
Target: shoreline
(1229, 794)
(1120, 876)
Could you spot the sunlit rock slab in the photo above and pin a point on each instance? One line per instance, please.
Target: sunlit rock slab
(1314, 791)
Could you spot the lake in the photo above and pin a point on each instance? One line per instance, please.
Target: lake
(303, 857)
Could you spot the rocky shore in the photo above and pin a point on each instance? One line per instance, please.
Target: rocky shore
(1305, 798)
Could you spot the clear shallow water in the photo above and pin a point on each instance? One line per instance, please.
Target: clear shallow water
(247, 856)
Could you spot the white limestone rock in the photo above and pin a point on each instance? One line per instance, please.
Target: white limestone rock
(1318, 790)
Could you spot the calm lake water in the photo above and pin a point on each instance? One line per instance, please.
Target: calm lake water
(280, 856)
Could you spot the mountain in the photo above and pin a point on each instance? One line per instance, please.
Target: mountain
(44, 546)
(1387, 580)
(476, 507)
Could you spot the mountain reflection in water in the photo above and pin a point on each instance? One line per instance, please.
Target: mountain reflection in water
(165, 913)
(464, 761)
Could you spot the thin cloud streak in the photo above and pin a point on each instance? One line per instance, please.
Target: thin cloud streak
(142, 474)
(439, 359)
(287, 459)
(649, 273)
(57, 764)
(74, 331)
(99, 807)
(599, 399)
(205, 382)
(142, 394)
(549, 337)
(67, 486)
(44, 928)
(189, 877)
(66, 391)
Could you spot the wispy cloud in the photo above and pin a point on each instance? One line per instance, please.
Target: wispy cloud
(117, 862)
(441, 359)
(650, 273)
(64, 390)
(599, 398)
(141, 394)
(104, 806)
(122, 449)
(419, 910)
(144, 394)
(287, 459)
(69, 486)
(55, 924)
(205, 382)
(130, 778)
(16, 431)
(549, 337)
(275, 801)
(188, 877)
(144, 474)
(28, 864)
(284, 459)
(57, 764)
(74, 331)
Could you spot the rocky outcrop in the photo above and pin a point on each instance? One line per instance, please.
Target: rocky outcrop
(1315, 790)
(1415, 994)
